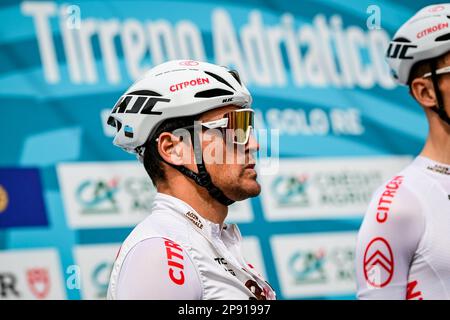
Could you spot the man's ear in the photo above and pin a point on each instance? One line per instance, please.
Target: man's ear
(171, 148)
(423, 91)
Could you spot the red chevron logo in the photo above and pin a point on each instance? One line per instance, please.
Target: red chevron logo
(378, 263)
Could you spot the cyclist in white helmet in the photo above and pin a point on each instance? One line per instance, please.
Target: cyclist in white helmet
(183, 249)
(403, 244)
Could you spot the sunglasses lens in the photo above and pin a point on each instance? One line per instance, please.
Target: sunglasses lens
(240, 123)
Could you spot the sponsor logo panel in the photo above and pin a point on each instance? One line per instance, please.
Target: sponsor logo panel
(311, 265)
(325, 188)
(95, 262)
(108, 194)
(31, 275)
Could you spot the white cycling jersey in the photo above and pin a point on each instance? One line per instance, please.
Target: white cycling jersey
(403, 247)
(177, 254)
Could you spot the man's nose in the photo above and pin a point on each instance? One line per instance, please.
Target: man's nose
(252, 144)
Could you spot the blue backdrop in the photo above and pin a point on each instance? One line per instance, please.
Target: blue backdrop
(317, 73)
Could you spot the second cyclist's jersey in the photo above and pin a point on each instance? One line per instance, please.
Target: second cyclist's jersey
(177, 254)
(403, 246)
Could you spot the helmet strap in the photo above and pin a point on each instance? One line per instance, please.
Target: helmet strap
(202, 178)
(439, 108)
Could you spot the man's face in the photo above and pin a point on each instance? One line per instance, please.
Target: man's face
(235, 174)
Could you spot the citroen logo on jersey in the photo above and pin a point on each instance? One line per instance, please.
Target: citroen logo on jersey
(378, 263)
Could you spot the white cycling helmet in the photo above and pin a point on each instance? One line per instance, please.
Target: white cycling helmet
(173, 89)
(424, 36)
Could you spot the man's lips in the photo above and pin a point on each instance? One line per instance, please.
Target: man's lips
(250, 166)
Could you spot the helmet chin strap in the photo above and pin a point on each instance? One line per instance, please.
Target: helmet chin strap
(439, 108)
(202, 178)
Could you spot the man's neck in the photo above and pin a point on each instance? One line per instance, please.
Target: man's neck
(195, 196)
(437, 146)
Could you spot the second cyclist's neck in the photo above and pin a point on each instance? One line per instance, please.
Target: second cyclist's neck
(437, 146)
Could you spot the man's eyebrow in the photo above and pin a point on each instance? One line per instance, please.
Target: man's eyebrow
(216, 117)
(220, 116)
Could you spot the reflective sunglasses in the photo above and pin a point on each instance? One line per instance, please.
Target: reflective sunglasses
(237, 125)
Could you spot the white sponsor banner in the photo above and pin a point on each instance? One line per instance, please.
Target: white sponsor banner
(240, 212)
(325, 187)
(311, 265)
(105, 194)
(95, 263)
(251, 251)
(31, 275)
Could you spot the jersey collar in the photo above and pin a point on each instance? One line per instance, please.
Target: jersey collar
(208, 228)
(432, 166)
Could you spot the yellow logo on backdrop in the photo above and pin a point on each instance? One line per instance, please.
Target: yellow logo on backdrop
(3, 199)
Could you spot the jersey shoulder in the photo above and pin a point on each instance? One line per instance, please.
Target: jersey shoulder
(398, 198)
(161, 225)
(158, 263)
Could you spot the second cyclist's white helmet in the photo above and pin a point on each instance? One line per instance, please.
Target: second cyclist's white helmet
(424, 36)
(173, 89)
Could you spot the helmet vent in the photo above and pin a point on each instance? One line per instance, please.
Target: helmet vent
(145, 93)
(114, 123)
(444, 37)
(119, 125)
(213, 93)
(235, 75)
(401, 39)
(111, 121)
(219, 78)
